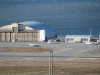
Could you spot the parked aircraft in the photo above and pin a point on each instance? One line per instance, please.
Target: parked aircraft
(88, 43)
(35, 45)
(53, 41)
(95, 43)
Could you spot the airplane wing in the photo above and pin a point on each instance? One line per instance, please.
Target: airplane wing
(89, 43)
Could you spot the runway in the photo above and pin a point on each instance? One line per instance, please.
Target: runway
(30, 57)
(61, 52)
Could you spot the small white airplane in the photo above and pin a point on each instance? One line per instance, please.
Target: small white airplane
(96, 43)
(35, 45)
(89, 43)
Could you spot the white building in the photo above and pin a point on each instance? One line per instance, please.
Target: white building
(78, 38)
(99, 38)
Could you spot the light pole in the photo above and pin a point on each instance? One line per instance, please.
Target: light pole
(90, 31)
(51, 63)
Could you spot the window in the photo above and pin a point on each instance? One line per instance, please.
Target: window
(70, 39)
(14, 29)
(84, 39)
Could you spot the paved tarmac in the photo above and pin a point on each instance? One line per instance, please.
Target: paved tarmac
(61, 51)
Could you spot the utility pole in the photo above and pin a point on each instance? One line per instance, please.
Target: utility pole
(51, 63)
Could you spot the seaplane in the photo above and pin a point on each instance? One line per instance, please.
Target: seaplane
(35, 45)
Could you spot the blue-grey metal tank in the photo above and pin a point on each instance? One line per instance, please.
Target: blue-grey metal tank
(39, 26)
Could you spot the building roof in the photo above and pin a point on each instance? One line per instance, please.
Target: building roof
(39, 26)
(5, 30)
(78, 35)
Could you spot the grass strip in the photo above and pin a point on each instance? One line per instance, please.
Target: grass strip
(57, 70)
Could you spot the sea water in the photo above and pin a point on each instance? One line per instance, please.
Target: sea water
(66, 17)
